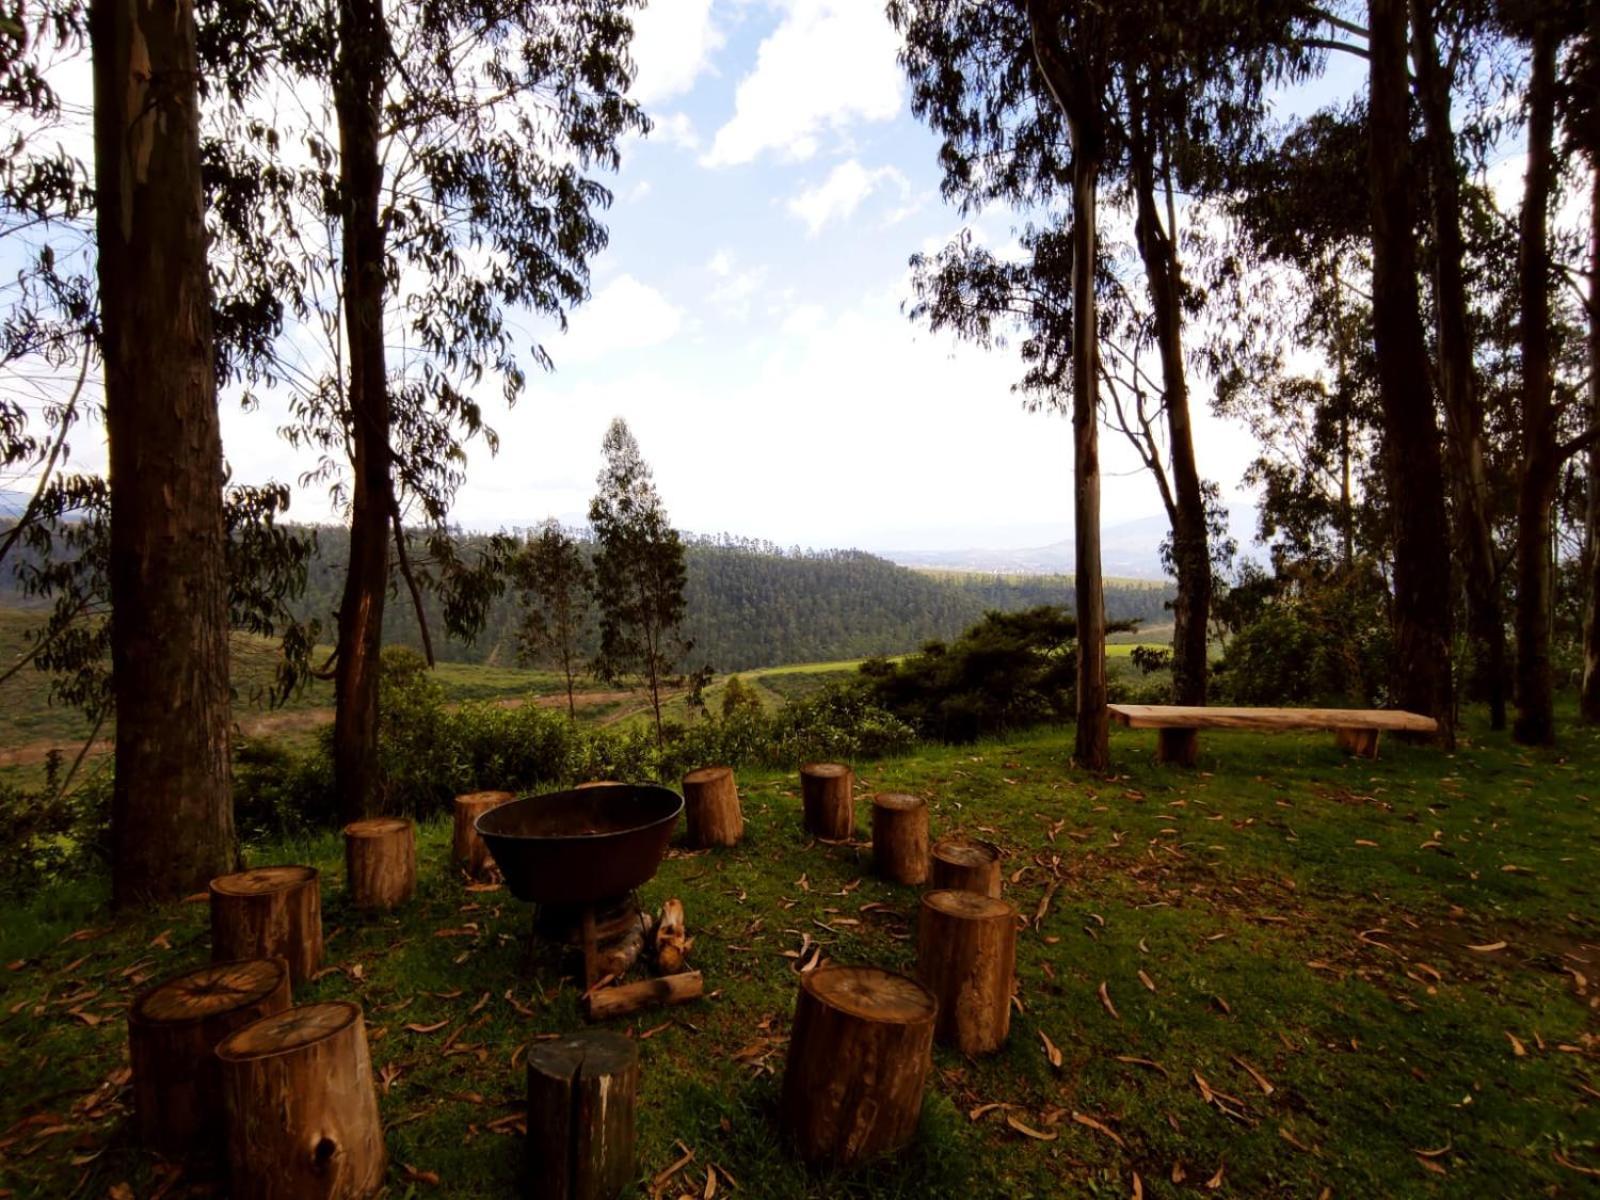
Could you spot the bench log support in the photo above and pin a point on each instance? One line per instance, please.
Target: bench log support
(1363, 743)
(1178, 747)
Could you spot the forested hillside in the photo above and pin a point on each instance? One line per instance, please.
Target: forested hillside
(753, 604)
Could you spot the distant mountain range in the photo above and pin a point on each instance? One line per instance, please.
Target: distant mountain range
(1131, 550)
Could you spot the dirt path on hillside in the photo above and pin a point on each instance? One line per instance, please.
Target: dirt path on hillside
(298, 720)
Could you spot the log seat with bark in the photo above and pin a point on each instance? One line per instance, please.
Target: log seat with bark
(1178, 726)
(623, 1000)
(301, 1108)
(380, 858)
(173, 1031)
(582, 1091)
(967, 957)
(966, 864)
(711, 807)
(900, 837)
(269, 912)
(827, 797)
(859, 1056)
(467, 849)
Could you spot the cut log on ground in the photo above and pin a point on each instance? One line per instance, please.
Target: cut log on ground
(467, 850)
(629, 998)
(380, 858)
(301, 1108)
(965, 864)
(672, 942)
(827, 794)
(582, 1092)
(967, 957)
(711, 807)
(173, 1031)
(900, 837)
(269, 912)
(859, 1056)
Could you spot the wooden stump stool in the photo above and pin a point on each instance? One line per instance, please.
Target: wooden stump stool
(900, 837)
(581, 1094)
(827, 793)
(711, 807)
(967, 865)
(967, 957)
(270, 912)
(859, 1056)
(380, 858)
(301, 1108)
(173, 1031)
(467, 849)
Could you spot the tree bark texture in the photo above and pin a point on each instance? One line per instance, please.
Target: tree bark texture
(711, 807)
(1541, 464)
(1464, 434)
(1073, 82)
(582, 1092)
(966, 864)
(827, 797)
(1590, 697)
(380, 858)
(1422, 601)
(358, 90)
(967, 957)
(269, 912)
(172, 799)
(1191, 555)
(858, 1060)
(467, 850)
(301, 1108)
(173, 1031)
(626, 999)
(900, 837)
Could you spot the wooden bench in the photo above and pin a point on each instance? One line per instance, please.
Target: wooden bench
(1178, 727)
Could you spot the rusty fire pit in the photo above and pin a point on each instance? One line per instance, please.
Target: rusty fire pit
(584, 846)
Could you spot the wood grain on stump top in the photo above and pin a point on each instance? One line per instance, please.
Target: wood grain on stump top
(600, 1052)
(220, 987)
(489, 797)
(871, 993)
(899, 801)
(706, 774)
(288, 1030)
(375, 827)
(261, 881)
(966, 852)
(972, 906)
(599, 783)
(825, 770)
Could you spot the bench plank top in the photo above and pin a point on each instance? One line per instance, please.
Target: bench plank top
(1177, 716)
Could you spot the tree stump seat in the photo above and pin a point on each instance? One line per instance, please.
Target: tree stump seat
(966, 864)
(827, 797)
(900, 837)
(269, 912)
(467, 849)
(1178, 726)
(173, 1031)
(582, 1091)
(380, 857)
(711, 807)
(967, 957)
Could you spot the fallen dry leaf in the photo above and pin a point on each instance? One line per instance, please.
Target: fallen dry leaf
(1517, 1048)
(1089, 1122)
(1147, 981)
(434, 1028)
(1488, 947)
(1141, 1062)
(1105, 999)
(1029, 1131)
(1053, 1054)
(415, 1176)
(1215, 1181)
(1261, 1080)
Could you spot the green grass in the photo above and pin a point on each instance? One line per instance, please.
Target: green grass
(1306, 914)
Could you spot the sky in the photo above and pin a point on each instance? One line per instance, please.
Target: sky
(748, 319)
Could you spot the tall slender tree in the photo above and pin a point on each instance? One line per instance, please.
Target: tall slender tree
(557, 593)
(172, 804)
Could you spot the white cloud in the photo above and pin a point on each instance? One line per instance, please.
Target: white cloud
(842, 193)
(829, 63)
(721, 263)
(675, 129)
(624, 315)
(673, 43)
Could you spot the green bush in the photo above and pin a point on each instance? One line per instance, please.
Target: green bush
(1330, 648)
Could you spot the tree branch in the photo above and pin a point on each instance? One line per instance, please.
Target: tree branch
(405, 570)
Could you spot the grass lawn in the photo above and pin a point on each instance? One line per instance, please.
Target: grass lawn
(1287, 973)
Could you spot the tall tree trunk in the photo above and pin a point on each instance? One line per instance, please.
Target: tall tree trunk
(1590, 699)
(358, 88)
(1422, 681)
(1075, 91)
(1191, 609)
(1463, 413)
(1535, 723)
(172, 800)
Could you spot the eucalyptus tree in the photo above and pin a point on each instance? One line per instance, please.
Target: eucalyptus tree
(1581, 114)
(447, 184)
(1049, 103)
(557, 595)
(172, 803)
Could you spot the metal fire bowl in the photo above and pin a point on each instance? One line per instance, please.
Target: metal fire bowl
(584, 845)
